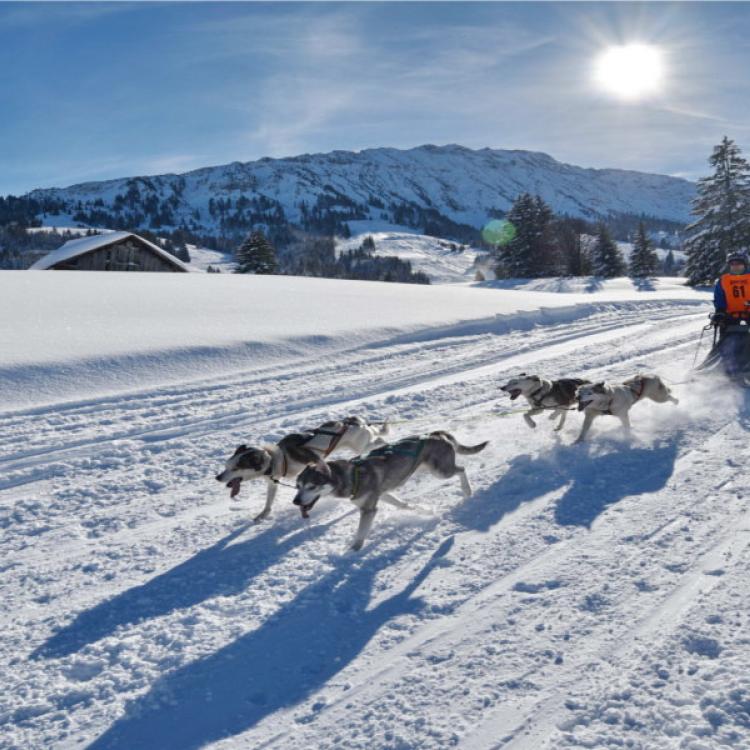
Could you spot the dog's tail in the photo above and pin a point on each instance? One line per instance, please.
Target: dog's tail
(462, 449)
(471, 448)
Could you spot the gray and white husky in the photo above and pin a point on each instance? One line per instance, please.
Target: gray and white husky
(543, 394)
(374, 476)
(597, 399)
(293, 452)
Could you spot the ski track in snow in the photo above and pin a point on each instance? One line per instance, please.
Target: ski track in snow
(586, 596)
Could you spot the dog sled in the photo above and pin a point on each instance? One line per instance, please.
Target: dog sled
(730, 352)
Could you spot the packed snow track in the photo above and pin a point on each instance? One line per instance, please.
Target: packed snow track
(590, 595)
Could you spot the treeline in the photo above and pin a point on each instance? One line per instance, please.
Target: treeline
(537, 244)
(21, 248)
(316, 256)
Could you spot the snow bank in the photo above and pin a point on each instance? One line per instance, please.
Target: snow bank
(118, 331)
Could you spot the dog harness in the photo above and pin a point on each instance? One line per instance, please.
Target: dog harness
(639, 390)
(533, 396)
(269, 471)
(356, 471)
(382, 453)
(336, 436)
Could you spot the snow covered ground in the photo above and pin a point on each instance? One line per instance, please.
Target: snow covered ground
(444, 262)
(586, 596)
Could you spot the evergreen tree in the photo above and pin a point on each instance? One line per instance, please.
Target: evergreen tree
(723, 210)
(670, 266)
(256, 255)
(643, 262)
(527, 255)
(606, 258)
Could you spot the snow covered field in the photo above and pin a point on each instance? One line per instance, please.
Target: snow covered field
(431, 255)
(586, 596)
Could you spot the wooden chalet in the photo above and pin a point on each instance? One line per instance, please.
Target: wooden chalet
(113, 251)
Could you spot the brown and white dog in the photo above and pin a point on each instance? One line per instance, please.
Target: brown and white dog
(617, 399)
(556, 395)
(294, 452)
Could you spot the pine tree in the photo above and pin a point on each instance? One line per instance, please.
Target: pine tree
(527, 255)
(606, 258)
(723, 208)
(256, 255)
(643, 262)
(670, 266)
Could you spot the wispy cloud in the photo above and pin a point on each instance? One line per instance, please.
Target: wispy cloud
(19, 15)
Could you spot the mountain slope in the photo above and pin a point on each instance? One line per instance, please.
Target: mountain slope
(412, 187)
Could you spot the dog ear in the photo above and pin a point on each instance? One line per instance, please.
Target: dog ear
(598, 387)
(240, 449)
(322, 467)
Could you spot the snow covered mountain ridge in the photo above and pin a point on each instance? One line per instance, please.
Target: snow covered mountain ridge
(439, 184)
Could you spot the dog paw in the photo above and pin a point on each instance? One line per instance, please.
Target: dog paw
(260, 517)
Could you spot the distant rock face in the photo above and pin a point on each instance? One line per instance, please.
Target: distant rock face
(414, 187)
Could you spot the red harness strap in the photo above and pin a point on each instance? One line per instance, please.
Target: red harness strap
(639, 391)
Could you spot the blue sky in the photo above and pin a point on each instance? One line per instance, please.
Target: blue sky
(98, 90)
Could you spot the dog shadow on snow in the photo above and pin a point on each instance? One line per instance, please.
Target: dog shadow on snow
(595, 476)
(291, 655)
(223, 569)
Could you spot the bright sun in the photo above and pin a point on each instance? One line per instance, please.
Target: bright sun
(630, 71)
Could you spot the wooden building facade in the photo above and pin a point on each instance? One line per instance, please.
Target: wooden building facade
(115, 251)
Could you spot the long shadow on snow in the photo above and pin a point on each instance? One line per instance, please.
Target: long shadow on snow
(594, 482)
(221, 570)
(290, 656)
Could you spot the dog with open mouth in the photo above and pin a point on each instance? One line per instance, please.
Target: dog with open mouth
(368, 479)
(598, 399)
(295, 451)
(558, 396)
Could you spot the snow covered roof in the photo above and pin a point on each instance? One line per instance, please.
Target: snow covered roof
(74, 248)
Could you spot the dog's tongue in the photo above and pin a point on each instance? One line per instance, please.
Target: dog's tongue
(581, 406)
(235, 487)
(305, 511)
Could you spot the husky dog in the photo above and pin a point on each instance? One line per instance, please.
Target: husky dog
(373, 477)
(293, 452)
(557, 395)
(617, 400)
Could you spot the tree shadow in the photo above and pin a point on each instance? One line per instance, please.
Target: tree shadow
(644, 285)
(594, 284)
(594, 480)
(221, 570)
(290, 656)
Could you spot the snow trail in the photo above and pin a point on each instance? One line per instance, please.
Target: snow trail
(144, 610)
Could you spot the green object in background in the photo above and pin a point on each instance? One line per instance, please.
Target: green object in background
(498, 232)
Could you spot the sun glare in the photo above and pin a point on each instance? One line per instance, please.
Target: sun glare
(630, 71)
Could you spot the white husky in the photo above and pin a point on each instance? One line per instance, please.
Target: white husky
(617, 400)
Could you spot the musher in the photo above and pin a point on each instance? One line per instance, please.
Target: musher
(732, 316)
